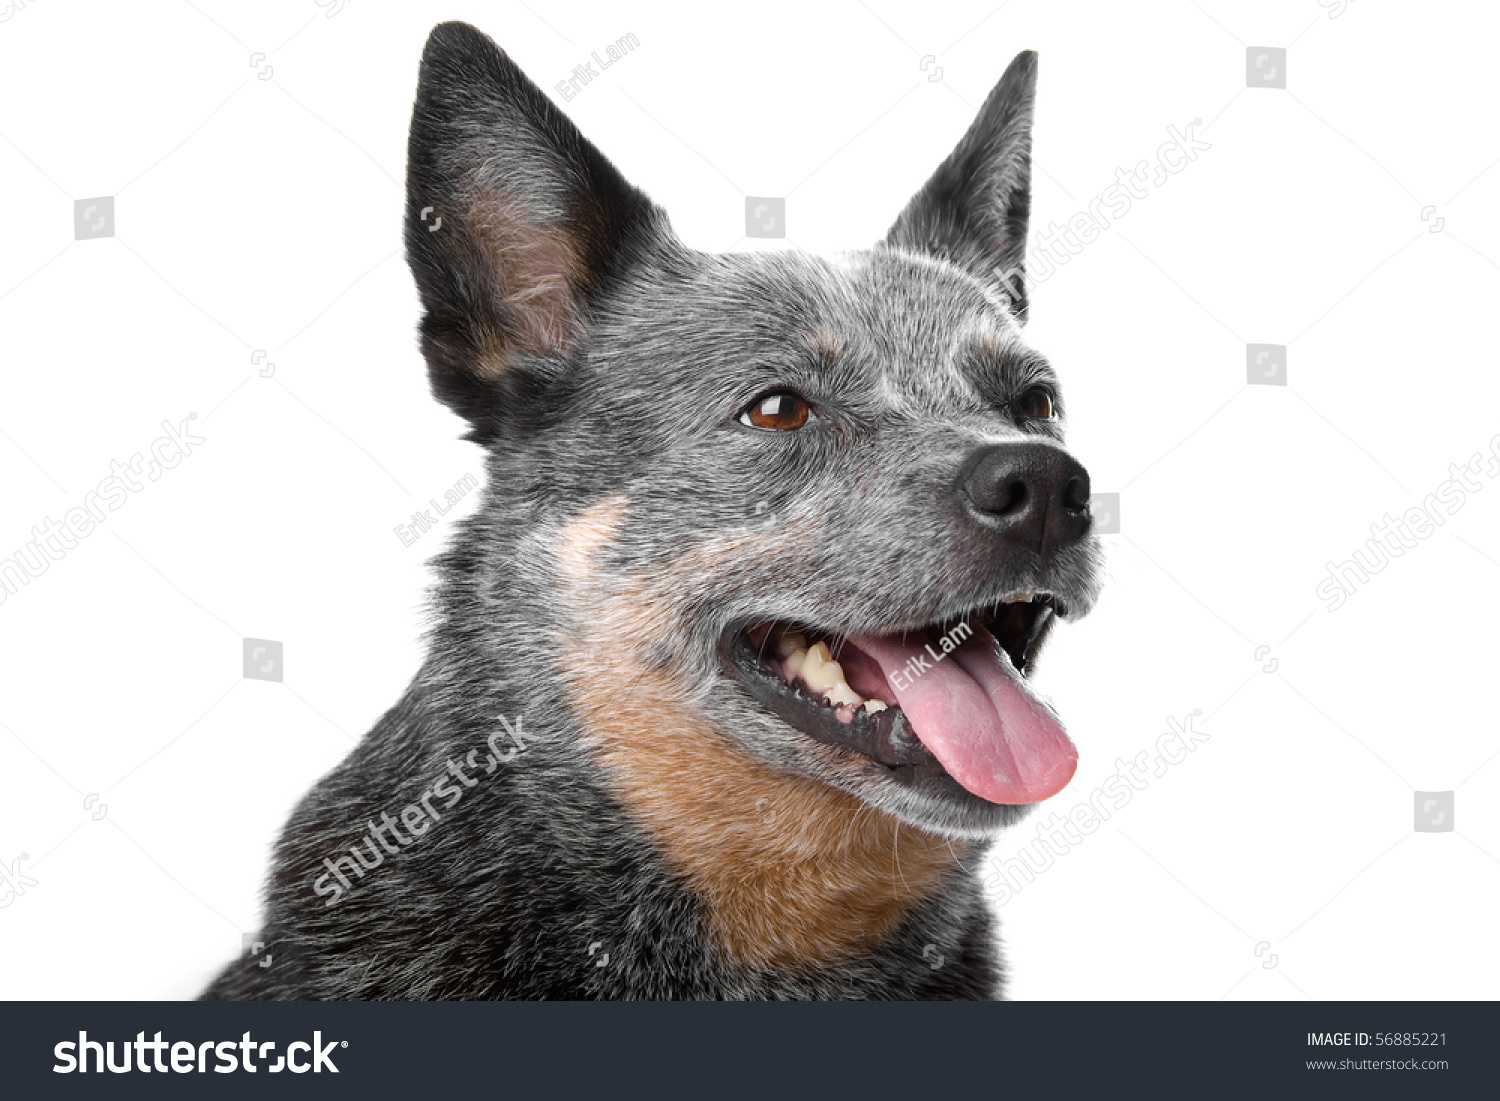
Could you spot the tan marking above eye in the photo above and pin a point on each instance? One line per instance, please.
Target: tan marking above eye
(781, 411)
(1036, 404)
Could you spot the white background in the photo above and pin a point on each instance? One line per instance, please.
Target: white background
(265, 214)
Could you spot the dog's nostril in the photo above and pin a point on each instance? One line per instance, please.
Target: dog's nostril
(1012, 498)
(999, 485)
(1076, 493)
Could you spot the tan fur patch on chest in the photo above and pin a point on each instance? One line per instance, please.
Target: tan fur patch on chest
(791, 870)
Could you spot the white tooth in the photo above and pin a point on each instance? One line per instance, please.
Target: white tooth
(820, 671)
(841, 694)
(1017, 598)
(816, 655)
(794, 661)
(833, 674)
(789, 643)
(872, 706)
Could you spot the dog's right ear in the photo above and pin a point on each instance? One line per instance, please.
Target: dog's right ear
(514, 223)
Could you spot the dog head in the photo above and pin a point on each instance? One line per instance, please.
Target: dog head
(818, 510)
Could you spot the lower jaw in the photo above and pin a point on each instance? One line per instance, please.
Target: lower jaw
(884, 738)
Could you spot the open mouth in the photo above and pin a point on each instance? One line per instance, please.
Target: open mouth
(948, 699)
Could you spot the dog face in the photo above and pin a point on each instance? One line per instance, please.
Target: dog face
(817, 511)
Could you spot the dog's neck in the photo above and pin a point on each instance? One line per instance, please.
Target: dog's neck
(789, 869)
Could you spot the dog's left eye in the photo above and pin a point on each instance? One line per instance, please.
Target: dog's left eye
(782, 411)
(1036, 404)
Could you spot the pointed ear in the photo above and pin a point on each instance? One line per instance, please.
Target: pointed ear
(973, 211)
(514, 223)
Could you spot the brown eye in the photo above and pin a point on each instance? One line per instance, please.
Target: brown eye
(782, 411)
(1036, 404)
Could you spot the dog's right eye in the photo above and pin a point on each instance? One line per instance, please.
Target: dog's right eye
(781, 411)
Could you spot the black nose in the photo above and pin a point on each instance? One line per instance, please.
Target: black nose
(1033, 493)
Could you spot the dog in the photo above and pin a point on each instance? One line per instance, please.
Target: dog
(726, 692)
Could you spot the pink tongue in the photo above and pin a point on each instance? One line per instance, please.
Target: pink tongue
(974, 713)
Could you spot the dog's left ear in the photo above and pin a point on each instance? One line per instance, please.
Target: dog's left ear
(515, 224)
(973, 211)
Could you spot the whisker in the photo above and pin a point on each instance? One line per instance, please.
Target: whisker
(896, 854)
(760, 655)
(949, 842)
